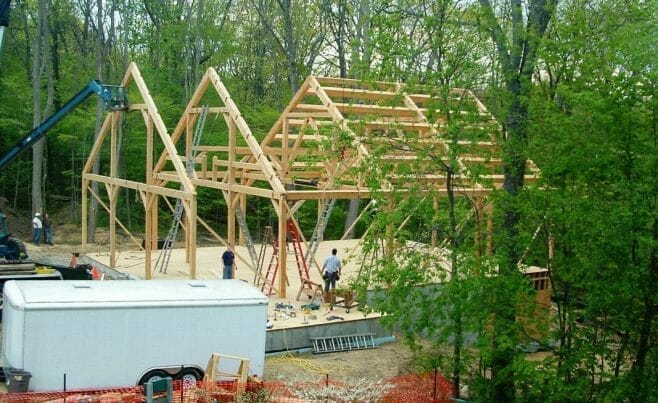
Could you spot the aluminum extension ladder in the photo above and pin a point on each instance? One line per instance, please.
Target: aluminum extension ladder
(163, 258)
(242, 223)
(318, 232)
(331, 344)
(268, 239)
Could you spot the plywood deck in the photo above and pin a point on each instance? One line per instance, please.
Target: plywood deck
(209, 267)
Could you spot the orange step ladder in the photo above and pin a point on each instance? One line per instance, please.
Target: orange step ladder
(302, 269)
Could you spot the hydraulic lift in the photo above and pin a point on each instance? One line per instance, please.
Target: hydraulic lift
(4, 21)
(114, 99)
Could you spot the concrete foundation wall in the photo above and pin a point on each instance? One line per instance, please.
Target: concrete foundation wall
(299, 337)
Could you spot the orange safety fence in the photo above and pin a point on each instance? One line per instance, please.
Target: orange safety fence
(421, 388)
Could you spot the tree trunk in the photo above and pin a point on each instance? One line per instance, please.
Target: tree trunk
(93, 205)
(37, 70)
(290, 45)
(517, 57)
(356, 70)
(361, 47)
(648, 317)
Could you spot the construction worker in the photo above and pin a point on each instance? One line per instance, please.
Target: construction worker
(228, 258)
(47, 229)
(37, 227)
(331, 270)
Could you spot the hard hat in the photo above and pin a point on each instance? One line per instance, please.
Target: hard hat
(37, 214)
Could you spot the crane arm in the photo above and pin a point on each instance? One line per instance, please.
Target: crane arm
(94, 87)
(4, 20)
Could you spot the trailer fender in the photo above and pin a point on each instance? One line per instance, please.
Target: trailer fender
(177, 372)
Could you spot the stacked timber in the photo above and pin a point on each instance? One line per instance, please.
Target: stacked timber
(17, 268)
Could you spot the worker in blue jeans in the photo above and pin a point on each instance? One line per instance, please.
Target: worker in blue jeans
(228, 258)
(37, 227)
(331, 270)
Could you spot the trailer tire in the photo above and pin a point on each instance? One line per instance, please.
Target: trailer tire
(189, 376)
(154, 375)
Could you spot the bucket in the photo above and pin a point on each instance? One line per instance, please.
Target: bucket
(18, 381)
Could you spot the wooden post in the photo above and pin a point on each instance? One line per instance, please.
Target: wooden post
(191, 224)
(154, 222)
(231, 180)
(321, 204)
(285, 145)
(390, 232)
(149, 201)
(434, 232)
(187, 241)
(85, 195)
(490, 230)
(231, 218)
(477, 233)
(186, 224)
(112, 191)
(551, 250)
(283, 241)
(243, 207)
(148, 207)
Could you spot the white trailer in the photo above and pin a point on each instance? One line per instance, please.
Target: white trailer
(119, 333)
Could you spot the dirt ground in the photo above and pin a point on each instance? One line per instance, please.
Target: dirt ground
(381, 363)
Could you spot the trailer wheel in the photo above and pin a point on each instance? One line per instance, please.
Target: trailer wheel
(189, 376)
(154, 375)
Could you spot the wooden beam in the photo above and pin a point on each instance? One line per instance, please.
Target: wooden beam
(93, 154)
(211, 109)
(134, 74)
(357, 93)
(241, 165)
(244, 129)
(353, 82)
(316, 114)
(283, 241)
(123, 227)
(378, 110)
(488, 145)
(276, 128)
(366, 193)
(395, 124)
(179, 194)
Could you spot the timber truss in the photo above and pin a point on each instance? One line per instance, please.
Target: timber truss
(321, 148)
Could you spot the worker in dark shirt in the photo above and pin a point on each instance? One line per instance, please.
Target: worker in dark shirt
(48, 229)
(228, 258)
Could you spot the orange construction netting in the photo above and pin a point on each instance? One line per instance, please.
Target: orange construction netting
(427, 387)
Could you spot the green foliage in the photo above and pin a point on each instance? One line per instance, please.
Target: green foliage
(590, 127)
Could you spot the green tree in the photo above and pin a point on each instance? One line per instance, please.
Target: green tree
(596, 128)
(517, 30)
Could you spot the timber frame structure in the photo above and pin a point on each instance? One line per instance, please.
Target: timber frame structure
(320, 148)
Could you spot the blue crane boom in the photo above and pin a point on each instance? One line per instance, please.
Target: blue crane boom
(4, 20)
(114, 98)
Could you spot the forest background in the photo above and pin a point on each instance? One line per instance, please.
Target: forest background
(573, 82)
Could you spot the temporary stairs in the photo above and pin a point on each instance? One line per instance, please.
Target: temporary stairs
(162, 262)
(332, 344)
(318, 232)
(302, 269)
